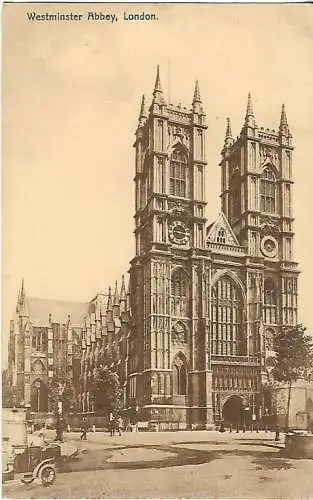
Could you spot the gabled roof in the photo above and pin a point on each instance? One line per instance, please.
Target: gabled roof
(39, 310)
(226, 236)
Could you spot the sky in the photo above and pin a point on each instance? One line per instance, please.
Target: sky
(72, 94)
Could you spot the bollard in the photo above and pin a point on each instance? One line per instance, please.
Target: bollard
(93, 428)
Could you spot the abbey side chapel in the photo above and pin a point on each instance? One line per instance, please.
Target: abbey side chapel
(207, 299)
(54, 338)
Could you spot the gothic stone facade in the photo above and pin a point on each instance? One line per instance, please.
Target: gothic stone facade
(206, 300)
(192, 338)
(50, 338)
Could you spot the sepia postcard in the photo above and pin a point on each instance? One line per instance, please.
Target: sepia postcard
(157, 331)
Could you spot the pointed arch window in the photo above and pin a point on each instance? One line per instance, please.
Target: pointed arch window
(179, 375)
(270, 302)
(268, 191)
(40, 339)
(178, 293)
(227, 319)
(235, 196)
(178, 174)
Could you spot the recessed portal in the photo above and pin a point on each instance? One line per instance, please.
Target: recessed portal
(233, 411)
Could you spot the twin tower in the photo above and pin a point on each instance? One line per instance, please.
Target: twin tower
(207, 299)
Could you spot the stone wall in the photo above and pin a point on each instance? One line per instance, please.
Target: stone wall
(14, 426)
(301, 405)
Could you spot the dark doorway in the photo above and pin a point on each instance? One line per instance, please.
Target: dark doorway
(39, 396)
(233, 411)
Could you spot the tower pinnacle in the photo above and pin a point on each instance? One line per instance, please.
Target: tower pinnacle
(109, 305)
(249, 118)
(228, 136)
(116, 299)
(283, 126)
(158, 92)
(196, 102)
(21, 301)
(157, 86)
(123, 289)
(143, 112)
(196, 95)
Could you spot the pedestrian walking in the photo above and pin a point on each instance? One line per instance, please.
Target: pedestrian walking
(84, 429)
(119, 423)
(111, 424)
(277, 433)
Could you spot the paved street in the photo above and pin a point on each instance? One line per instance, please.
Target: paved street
(172, 465)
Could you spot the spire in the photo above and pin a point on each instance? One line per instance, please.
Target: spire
(123, 296)
(158, 92)
(143, 113)
(123, 290)
(283, 126)
(196, 95)
(116, 300)
(21, 301)
(109, 305)
(249, 106)
(228, 136)
(249, 118)
(157, 85)
(128, 296)
(21, 293)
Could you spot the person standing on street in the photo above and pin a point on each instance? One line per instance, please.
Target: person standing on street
(111, 424)
(84, 428)
(277, 433)
(119, 423)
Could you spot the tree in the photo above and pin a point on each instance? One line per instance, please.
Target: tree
(107, 392)
(61, 389)
(294, 358)
(61, 397)
(7, 393)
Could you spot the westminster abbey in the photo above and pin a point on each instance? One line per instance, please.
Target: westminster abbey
(192, 338)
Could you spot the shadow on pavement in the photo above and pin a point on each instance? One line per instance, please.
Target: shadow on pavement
(99, 459)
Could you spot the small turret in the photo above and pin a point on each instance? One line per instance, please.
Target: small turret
(123, 296)
(228, 136)
(143, 115)
(116, 302)
(158, 97)
(197, 107)
(196, 94)
(21, 307)
(249, 118)
(128, 295)
(109, 307)
(283, 126)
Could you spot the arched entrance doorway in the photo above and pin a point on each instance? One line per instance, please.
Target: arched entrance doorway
(39, 396)
(233, 411)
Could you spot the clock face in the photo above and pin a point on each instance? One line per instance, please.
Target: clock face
(269, 246)
(179, 233)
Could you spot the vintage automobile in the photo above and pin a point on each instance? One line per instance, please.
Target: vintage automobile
(37, 462)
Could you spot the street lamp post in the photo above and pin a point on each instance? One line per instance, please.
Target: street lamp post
(59, 416)
(137, 411)
(28, 421)
(244, 418)
(38, 385)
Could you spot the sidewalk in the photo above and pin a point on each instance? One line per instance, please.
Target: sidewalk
(159, 438)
